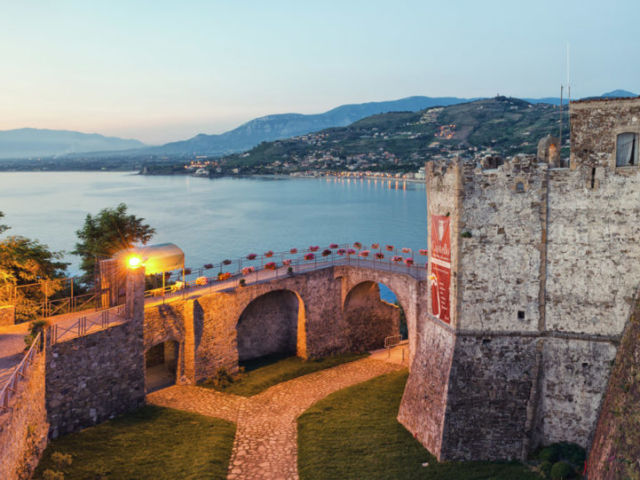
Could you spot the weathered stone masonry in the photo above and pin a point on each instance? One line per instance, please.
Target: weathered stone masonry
(540, 295)
(23, 431)
(311, 310)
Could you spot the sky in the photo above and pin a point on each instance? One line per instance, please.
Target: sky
(162, 71)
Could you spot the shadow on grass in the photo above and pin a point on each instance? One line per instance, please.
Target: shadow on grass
(354, 434)
(152, 442)
(264, 372)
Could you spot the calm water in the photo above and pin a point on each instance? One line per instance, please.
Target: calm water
(216, 219)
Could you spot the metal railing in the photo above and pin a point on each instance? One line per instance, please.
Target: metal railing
(254, 269)
(392, 341)
(87, 324)
(10, 389)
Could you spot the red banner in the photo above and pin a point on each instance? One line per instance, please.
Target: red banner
(440, 278)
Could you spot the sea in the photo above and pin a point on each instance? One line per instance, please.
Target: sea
(217, 219)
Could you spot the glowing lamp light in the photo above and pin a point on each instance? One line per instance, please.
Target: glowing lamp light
(134, 262)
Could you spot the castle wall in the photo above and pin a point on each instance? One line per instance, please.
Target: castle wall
(424, 401)
(593, 250)
(489, 391)
(616, 445)
(500, 265)
(23, 430)
(90, 379)
(594, 127)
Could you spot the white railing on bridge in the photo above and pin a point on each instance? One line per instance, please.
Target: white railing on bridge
(10, 389)
(259, 268)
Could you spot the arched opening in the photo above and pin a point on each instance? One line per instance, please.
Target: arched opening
(272, 325)
(161, 365)
(371, 317)
(387, 295)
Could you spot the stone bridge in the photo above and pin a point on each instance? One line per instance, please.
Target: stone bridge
(326, 311)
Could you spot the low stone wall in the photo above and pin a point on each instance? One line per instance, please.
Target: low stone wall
(91, 379)
(23, 430)
(7, 315)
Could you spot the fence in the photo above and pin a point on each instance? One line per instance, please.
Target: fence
(55, 297)
(19, 374)
(88, 324)
(255, 268)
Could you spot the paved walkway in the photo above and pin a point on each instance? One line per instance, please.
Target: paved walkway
(265, 446)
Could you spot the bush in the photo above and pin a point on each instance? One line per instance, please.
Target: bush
(36, 327)
(545, 468)
(61, 460)
(572, 453)
(52, 475)
(561, 471)
(549, 454)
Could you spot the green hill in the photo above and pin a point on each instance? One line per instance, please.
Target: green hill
(504, 125)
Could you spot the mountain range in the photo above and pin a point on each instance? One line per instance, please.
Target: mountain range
(33, 142)
(29, 143)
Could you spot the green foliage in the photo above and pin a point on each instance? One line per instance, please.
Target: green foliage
(354, 433)
(36, 327)
(108, 232)
(264, 372)
(545, 468)
(3, 228)
(561, 471)
(150, 443)
(61, 460)
(28, 262)
(243, 282)
(549, 454)
(52, 475)
(466, 235)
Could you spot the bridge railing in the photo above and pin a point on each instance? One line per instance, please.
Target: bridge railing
(256, 268)
(10, 388)
(82, 326)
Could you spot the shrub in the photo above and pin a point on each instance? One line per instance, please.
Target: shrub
(548, 454)
(561, 471)
(243, 282)
(52, 475)
(61, 460)
(545, 468)
(290, 270)
(466, 235)
(572, 453)
(36, 327)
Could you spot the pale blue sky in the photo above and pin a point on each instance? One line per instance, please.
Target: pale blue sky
(161, 71)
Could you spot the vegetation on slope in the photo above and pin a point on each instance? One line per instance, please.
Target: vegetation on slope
(264, 372)
(152, 442)
(507, 125)
(354, 434)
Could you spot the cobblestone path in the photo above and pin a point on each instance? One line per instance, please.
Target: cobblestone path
(266, 446)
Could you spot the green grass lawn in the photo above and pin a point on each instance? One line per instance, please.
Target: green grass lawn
(152, 442)
(354, 434)
(266, 372)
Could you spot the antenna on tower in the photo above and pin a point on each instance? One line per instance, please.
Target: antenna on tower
(568, 89)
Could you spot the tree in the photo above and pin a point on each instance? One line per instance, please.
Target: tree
(28, 262)
(3, 228)
(108, 232)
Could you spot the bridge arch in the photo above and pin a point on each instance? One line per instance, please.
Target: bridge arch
(369, 319)
(273, 323)
(407, 289)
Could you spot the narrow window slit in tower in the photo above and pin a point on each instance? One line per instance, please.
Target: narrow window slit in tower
(593, 178)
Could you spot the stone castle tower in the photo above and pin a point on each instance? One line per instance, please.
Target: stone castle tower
(533, 272)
